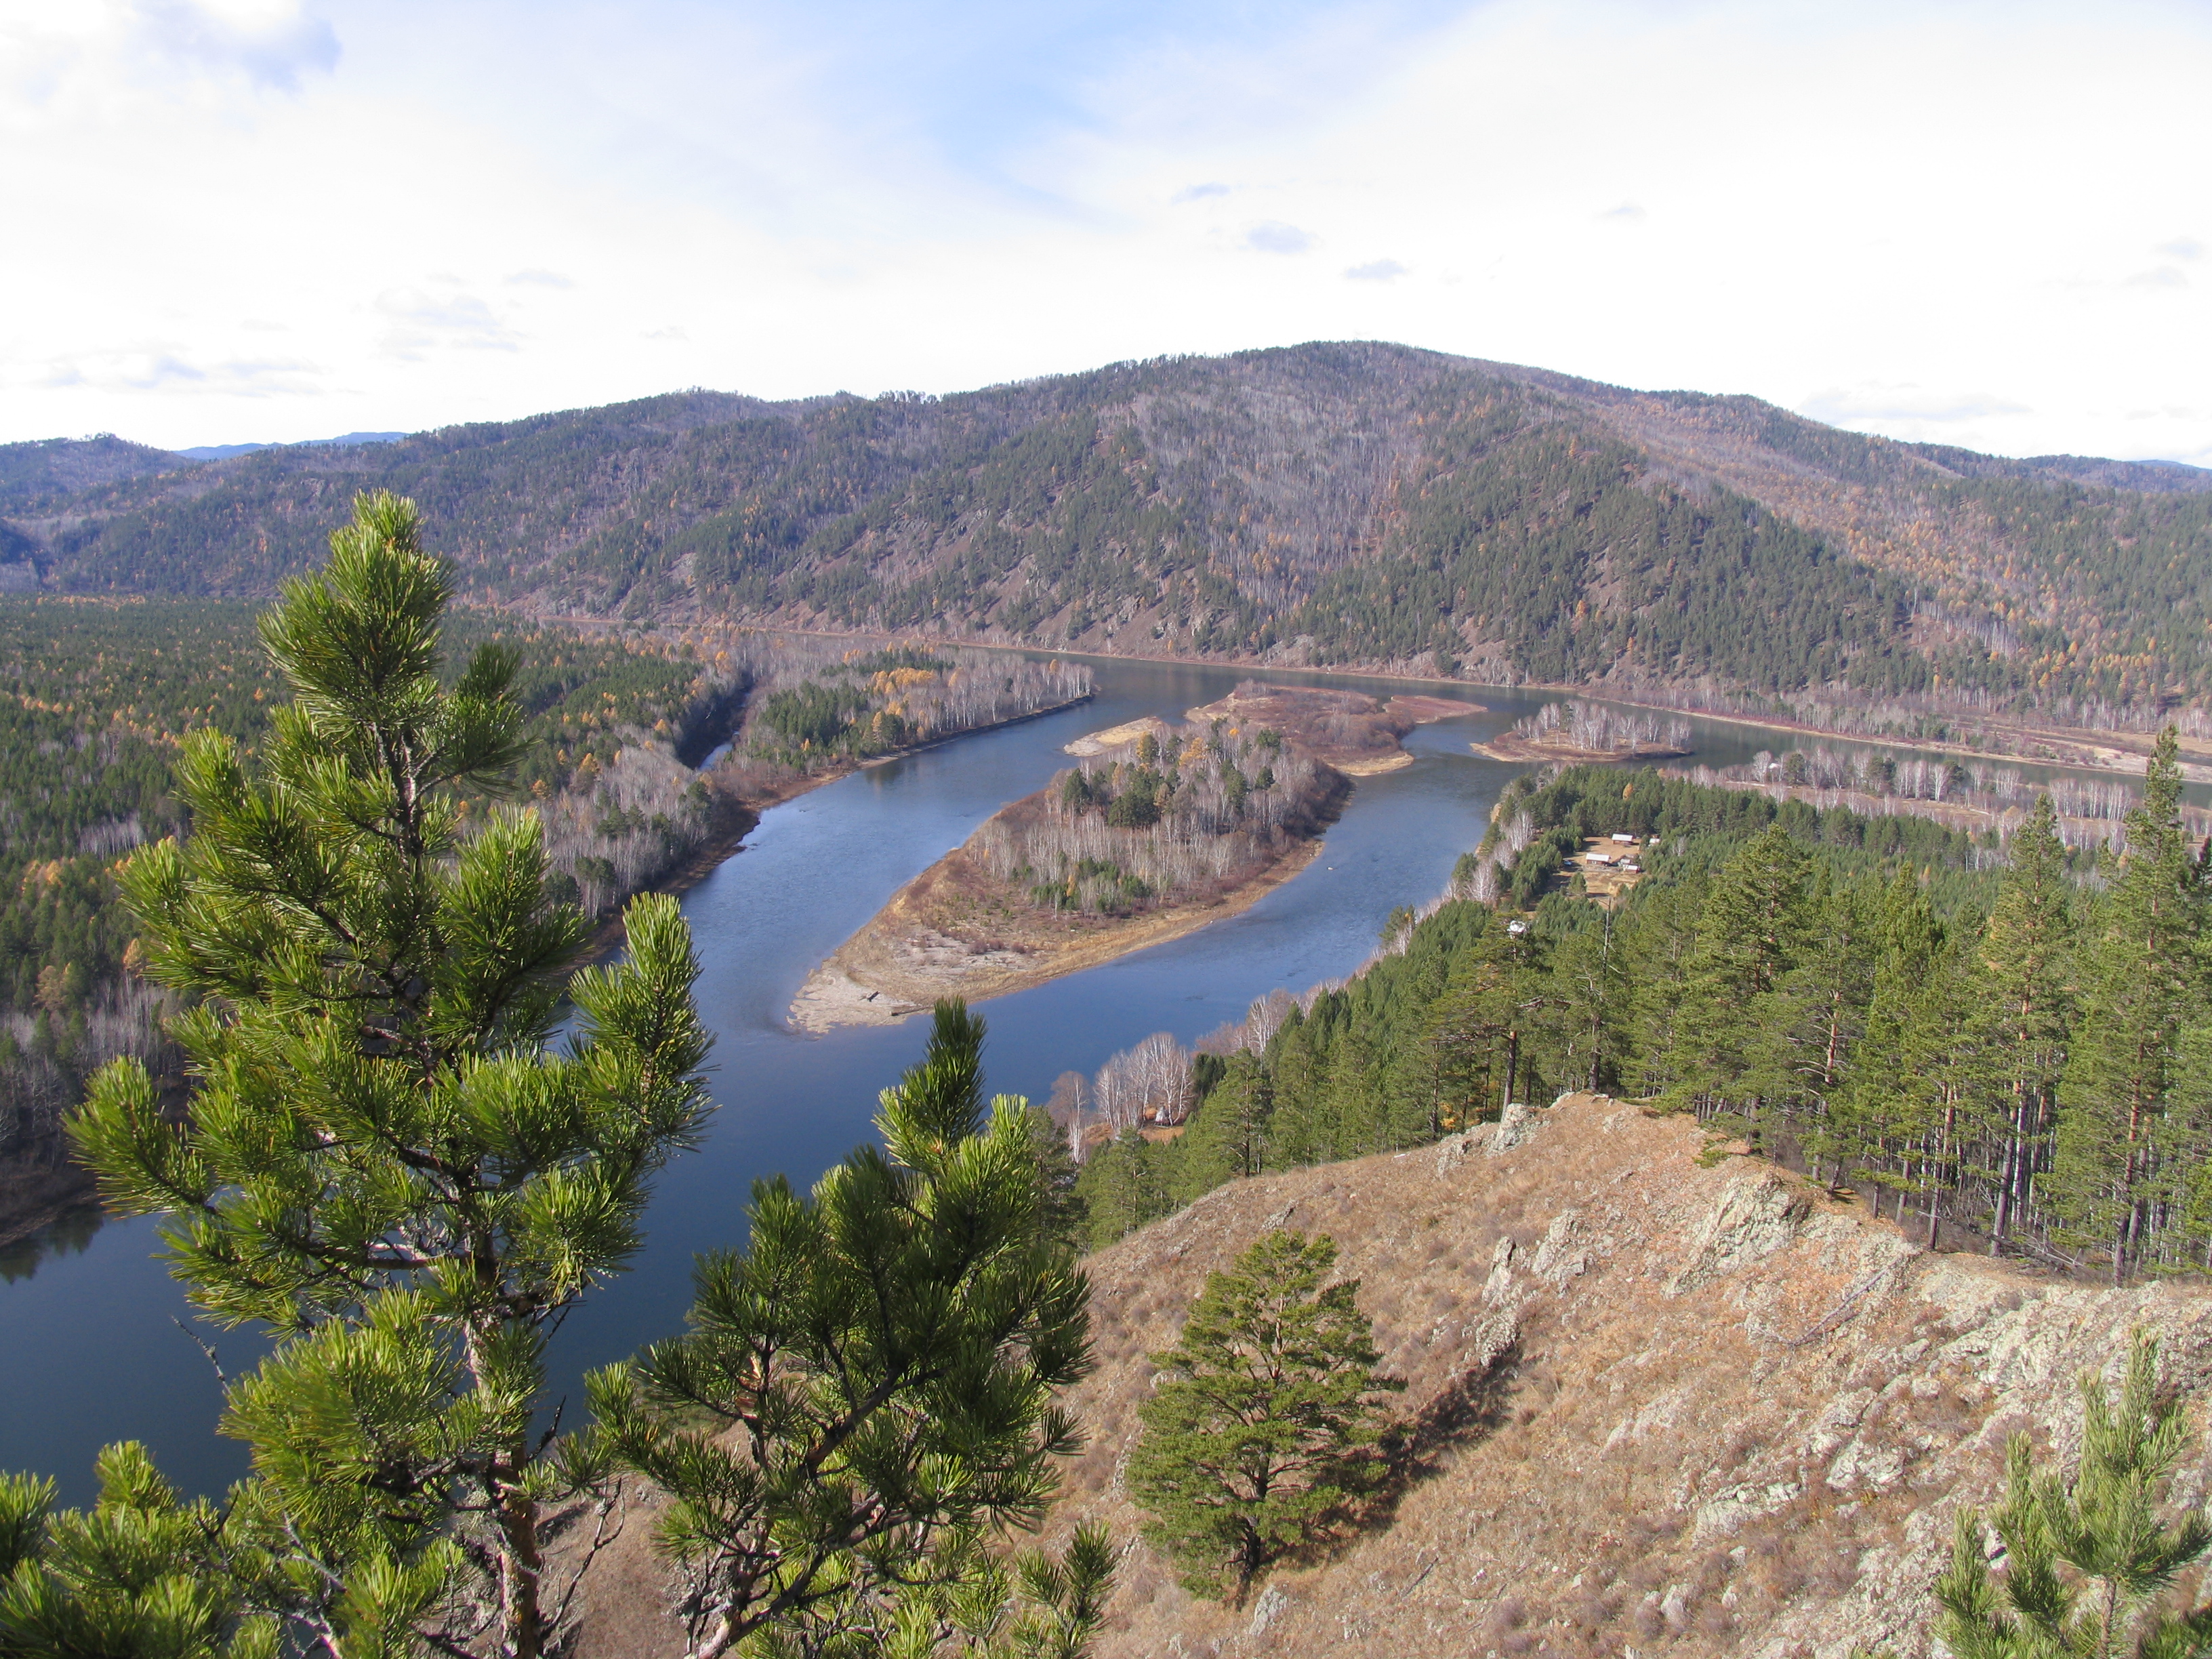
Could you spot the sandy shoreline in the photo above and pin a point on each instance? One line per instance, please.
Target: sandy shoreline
(1508, 748)
(885, 972)
(949, 933)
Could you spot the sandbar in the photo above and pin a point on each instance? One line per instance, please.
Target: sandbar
(902, 961)
(1520, 751)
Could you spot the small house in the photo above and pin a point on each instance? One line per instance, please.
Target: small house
(1624, 838)
(1598, 858)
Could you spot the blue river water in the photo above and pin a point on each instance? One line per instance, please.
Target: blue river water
(94, 1344)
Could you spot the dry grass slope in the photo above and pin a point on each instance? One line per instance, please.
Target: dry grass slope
(1675, 1409)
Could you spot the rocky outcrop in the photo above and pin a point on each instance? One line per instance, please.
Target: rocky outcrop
(1652, 1405)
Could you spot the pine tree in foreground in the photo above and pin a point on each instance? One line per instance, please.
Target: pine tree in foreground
(866, 1393)
(1266, 1418)
(2088, 1561)
(140, 1576)
(386, 1167)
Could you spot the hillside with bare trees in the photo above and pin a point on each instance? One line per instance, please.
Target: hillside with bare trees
(1351, 503)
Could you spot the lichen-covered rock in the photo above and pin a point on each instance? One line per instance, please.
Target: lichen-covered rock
(1756, 1214)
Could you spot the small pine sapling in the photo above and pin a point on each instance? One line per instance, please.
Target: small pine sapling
(2089, 1561)
(1267, 1418)
(868, 1388)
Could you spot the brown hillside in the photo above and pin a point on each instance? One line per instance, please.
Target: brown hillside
(1662, 1408)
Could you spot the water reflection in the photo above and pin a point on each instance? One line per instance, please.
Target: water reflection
(68, 1234)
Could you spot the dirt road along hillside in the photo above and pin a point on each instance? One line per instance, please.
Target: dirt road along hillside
(1664, 1408)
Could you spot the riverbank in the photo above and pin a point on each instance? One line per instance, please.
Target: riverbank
(1518, 751)
(744, 798)
(2074, 830)
(907, 957)
(1161, 830)
(2124, 752)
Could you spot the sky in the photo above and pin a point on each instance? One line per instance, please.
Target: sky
(232, 221)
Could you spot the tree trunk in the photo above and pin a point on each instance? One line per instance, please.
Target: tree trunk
(521, 1563)
(2014, 1151)
(521, 1571)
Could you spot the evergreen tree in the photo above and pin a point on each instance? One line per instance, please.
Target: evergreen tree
(1749, 935)
(385, 1166)
(2020, 999)
(2188, 1148)
(2139, 982)
(1299, 1132)
(2088, 1560)
(1488, 1018)
(1228, 1135)
(866, 1390)
(1888, 1116)
(140, 1576)
(1122, 1186)
(1808, 1031)
(1266, 1418)
(1587, 1009)
(976, 1608)
(1948, 1042)
(1352, 1103)
(1057, 1173)
(1658, 939)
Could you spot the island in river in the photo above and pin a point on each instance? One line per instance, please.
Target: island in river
(1160, 828)
(1574, 732)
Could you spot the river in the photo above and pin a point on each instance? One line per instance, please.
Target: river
(91, 1347)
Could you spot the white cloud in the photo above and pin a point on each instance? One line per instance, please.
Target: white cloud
(1753, 196)
(1276, 237)
(1908, 411)
(423, 322)
(56, 59)
(169, 369)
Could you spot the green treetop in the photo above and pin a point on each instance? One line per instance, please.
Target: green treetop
(386, 1165)
(2088, 1560)
(2021, 994)
(867, 1390)
(1267, 1418)
(2140, 979)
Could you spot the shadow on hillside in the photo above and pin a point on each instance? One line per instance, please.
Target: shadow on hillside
(1468, 1410)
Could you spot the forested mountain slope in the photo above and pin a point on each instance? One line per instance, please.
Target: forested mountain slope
(1352, 503)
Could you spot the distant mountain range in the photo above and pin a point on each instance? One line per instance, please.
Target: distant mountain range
(1354, 504)
(224, 452)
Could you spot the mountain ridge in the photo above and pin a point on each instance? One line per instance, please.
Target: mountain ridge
(1357, 504)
